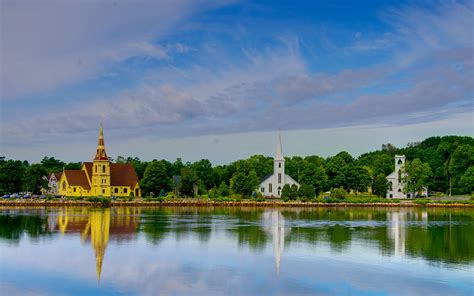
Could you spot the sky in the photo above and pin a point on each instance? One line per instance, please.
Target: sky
(218, 79)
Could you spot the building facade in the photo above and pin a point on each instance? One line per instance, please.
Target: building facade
(272, 184)
(100, 177)
(53, 183)
(396, 185)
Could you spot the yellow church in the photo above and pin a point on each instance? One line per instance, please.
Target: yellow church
(100, 177)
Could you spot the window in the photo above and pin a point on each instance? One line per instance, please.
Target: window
(391, 186)
(399, 176)
(270, 188)
(103, 191)
(103, 169)
(279, 165)
(279, 190)
(279, 178)
(96, 169)
(262, 189)
(116, 190)
(400, 162)
(74, 189)
(125, 190)
(391, 195)
(399, 190)
(64, 185)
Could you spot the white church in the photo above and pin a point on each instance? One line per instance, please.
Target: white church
(272, 184)
(396, 186)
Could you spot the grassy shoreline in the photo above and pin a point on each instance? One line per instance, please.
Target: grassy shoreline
(241, 203)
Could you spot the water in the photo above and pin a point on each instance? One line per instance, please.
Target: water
(190, 251)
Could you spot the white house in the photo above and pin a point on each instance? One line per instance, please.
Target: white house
(272, 184)
(396, 186)
(53, 183)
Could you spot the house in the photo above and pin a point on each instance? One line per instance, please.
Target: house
(272, 184)
(396, 187)
(100, 177)
(53, 183)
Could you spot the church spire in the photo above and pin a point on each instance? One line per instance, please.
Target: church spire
(279, 153)
(101, 154)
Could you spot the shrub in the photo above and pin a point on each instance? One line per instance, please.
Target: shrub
(338, 193)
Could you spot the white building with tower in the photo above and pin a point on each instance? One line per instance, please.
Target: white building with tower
(272, 184)
(396, 186)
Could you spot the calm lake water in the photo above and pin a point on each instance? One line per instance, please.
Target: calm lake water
(190, 251)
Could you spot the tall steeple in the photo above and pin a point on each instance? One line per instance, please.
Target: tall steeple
(279, 153)
(101, 154)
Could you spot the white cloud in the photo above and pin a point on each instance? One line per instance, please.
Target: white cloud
(49, 44)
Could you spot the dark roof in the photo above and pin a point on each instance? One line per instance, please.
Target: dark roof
(77, 178)
(57, 175)
(123, 174)
(266, 177)
(88, 166)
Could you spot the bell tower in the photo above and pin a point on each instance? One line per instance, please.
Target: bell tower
(279, 167)
(101, 169)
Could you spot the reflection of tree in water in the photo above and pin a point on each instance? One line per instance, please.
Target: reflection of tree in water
(439, 235)
(14, 222)
(181, 223)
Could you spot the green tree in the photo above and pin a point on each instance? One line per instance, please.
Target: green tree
(294, 192)
(223, 189)
(155, 178)
(338, 193)
(52, 165)
(467, 180)
(73, 166)
(244, 184)
(416, 175)
(286, 192)
(205, 173)
(461, 159)
(358, 179)
(34, 180)
(306, 190)
(380, 185)
(11, 176)
(314, 174)
(189, 182)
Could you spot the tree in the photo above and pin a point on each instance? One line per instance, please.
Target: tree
(286, 192)
(358, 179)
(337, 169)
(244, 184)
(313, 173)
(223, 189)
(33, 180)
(155, 178)
(11, 176)
(52, 165)
(380, 185)
(294, 192)
(461, 159)
(73, 166)
(189, 182)
(338, 193)
(415, 175)
(205, 173)
(467, 180)
(306, 191)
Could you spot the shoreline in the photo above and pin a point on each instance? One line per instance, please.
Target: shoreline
(211, 203)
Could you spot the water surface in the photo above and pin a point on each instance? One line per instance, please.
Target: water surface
(193, 251)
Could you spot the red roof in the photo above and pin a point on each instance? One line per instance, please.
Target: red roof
(77, 178)
(123, 174)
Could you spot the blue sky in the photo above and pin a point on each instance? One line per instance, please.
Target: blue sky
(217, 79)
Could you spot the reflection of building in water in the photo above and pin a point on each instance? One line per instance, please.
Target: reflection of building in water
(397, 230)
(99, 225)
(274, 225)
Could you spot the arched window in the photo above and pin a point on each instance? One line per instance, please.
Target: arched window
(279, 165)
(391, 186)
(399, 190)
(400, 162)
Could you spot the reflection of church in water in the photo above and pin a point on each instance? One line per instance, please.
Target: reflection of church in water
(98, 226)
(274, 226)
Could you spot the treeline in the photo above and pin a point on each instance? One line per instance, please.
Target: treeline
(435, 162)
